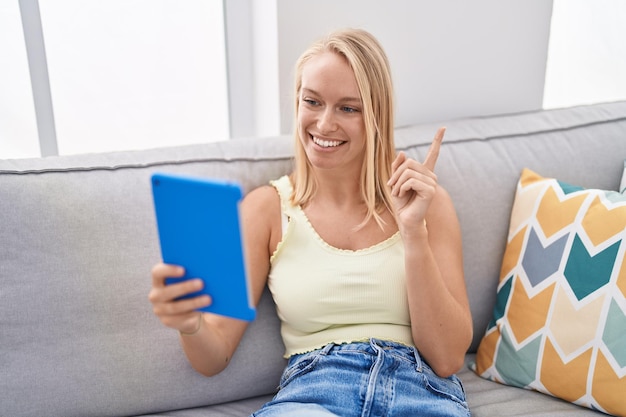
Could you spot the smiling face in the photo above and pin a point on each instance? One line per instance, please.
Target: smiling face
(330, 118)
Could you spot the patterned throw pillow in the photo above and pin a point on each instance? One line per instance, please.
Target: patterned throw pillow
(559, 324)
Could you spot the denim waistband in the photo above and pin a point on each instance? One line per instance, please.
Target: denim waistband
(373, 346)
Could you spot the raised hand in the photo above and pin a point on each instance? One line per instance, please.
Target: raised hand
(413, 184)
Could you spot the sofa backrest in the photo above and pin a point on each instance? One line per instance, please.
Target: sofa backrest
(78, 238)
(77, 241)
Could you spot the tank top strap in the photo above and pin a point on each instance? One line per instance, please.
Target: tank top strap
(284, 188)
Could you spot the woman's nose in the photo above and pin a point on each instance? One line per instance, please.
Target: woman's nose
(326, 122)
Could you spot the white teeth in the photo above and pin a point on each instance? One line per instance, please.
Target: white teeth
(327, 143)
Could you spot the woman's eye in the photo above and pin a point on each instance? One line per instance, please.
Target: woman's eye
(348, 109)
(310, 101)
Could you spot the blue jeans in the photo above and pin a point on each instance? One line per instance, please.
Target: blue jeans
(370, 379)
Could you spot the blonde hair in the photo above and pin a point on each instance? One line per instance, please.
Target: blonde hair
(369, 62)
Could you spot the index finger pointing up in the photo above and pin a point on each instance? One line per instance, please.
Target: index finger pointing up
(433, 152)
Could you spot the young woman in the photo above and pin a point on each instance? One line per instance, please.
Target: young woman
(361, 250)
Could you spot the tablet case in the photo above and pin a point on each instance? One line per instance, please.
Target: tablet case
(198, 226)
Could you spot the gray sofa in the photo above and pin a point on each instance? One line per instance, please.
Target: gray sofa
(78, 239)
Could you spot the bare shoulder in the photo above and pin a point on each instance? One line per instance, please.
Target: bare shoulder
(260, 214)
(261, 201)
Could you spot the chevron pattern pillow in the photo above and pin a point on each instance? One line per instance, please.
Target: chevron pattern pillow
(559, 324)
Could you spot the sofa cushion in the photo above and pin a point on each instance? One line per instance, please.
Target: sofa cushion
(622, 186)
(559, 324)
(77, 240)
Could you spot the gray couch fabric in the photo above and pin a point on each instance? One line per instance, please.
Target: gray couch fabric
(78, 239)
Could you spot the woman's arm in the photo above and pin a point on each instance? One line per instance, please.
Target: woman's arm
(210, 340)
(439, 308)
(438, 305)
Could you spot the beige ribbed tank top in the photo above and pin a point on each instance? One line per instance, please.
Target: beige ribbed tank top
(324, 294)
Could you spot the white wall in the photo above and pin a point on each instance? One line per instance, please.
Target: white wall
(449, 58)
(587, 59)
(252, 56)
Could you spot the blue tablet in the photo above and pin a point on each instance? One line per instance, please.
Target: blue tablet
(199, 229)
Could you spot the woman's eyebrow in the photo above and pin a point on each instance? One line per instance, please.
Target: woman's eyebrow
(342, 100)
